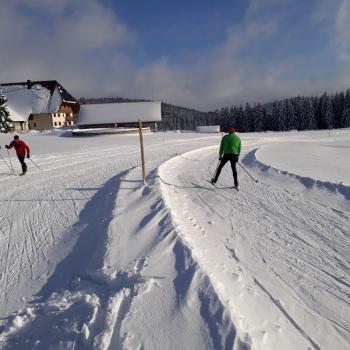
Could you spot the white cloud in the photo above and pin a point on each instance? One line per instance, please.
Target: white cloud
(83, 44)
(47, 41)
(343, 29)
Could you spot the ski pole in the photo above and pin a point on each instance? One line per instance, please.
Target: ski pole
(35, 164)
(247, 172)
(8, 153)
(3, 159)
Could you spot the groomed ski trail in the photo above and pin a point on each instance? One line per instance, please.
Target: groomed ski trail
(107, 299)
(185, 278)
(278, 260)
(125, 283)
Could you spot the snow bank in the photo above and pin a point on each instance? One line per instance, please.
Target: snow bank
(322, 161)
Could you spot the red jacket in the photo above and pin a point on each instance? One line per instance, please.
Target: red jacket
(21, 148)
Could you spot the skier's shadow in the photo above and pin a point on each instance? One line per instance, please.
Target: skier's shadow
(194, 185)
(91, 231)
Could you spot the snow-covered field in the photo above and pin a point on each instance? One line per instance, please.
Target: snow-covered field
(90, 258)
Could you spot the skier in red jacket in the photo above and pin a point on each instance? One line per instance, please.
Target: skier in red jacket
(22, 150)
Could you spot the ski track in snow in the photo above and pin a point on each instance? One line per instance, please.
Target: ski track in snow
(300, 246)
(262, 268)
(88, 299)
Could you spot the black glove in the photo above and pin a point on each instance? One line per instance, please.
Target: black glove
(28, 156)
(7, 146)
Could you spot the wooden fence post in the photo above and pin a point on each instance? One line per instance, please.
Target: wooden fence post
(142, 153)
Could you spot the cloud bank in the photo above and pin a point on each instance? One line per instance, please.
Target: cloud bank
(276, 51)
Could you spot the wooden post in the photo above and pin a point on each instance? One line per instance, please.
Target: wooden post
(142, 153)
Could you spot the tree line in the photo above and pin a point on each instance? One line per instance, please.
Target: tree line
(297, 113)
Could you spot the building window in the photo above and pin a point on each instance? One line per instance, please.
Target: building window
(55, 123)
(59, 123)
(34, 125)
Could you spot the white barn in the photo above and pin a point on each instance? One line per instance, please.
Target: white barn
(208, 128)
(109, 115)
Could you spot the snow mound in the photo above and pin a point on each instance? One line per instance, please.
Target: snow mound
(337, 193)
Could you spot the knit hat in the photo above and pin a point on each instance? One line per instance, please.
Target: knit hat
(231, 130)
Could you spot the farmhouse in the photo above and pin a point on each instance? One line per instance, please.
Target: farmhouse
(110, 115)
(40, 105)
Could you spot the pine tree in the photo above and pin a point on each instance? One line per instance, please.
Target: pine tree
(298, 113)
(5, 122)
(275, 116)
(317, 102)
(291, 123)
(268, 122)
(346, 111)
(258, 113)
(240, 119)
(327, 112)
(309, 120)
(338, 108)
(282, 116)
(248, 112)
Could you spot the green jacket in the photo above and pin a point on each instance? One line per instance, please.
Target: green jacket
(230, 144)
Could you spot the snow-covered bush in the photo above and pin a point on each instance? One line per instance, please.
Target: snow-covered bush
(5, 122)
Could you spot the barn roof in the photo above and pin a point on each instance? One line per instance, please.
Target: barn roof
(112, 113)
(36, 97)
(51, 85)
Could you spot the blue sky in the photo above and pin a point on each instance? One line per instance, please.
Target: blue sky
(175, 28)
(200, 54)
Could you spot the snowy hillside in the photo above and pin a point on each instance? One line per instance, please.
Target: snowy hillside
(90, 258)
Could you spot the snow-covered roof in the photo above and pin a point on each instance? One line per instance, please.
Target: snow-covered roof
(43, 97)
(120, 113)
(208, 128)
(15, 116)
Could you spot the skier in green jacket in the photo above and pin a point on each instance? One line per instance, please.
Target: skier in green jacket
(230, 148)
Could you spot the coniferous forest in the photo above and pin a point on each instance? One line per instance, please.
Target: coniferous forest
(297, 113)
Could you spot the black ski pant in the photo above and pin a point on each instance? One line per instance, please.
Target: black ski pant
(233, 158)
(24, 165)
